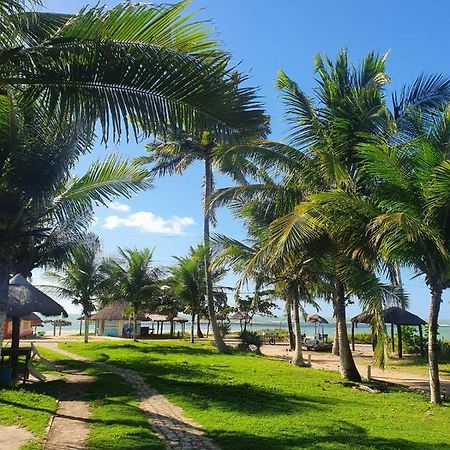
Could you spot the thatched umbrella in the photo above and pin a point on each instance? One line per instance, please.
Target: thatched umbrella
(24, 299)
(395, 316)
(317, 320)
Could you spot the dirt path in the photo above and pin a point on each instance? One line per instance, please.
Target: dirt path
(327, 361)
(69, 428)
(166, 419)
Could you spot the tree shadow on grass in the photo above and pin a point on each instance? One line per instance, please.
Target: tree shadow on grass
(340, 435)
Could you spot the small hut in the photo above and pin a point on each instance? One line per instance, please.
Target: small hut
(28, 325)
(395, 316)
(114, 320)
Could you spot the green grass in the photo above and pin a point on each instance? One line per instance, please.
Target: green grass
(116, 422)
(249, 402)
(31, 407)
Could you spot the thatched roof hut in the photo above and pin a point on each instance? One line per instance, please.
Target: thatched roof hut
(24, 299)
(114, 311)
(395, 316)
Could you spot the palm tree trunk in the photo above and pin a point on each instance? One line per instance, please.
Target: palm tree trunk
(218, 339)
(4, 293)
(347, 366)
(433, 367)
(290, 328)
(297, 358)
(86, 328)
(335, 349)
(199, 329)
(135, 338)
(192, 326)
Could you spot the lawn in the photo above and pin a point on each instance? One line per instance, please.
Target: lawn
(250, 402)
(31, 407)
(116, 422)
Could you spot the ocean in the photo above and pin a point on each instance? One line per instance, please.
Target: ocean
(259, 323)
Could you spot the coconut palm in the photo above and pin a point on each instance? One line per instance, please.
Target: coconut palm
(43, 209)
(151, 64)
(176, 155)
(131, 277)
(188, 281)
(80, 278)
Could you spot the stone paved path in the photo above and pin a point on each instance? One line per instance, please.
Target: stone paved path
(13, 437)
(69, 428)
(165, 418)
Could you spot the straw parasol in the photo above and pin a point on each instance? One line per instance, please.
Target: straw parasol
(24, 299)
(395, 316)
(317, 320)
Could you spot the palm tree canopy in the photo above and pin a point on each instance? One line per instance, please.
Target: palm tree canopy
(153, 64)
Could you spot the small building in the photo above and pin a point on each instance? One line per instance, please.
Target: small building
(28, 326)
(114, 320)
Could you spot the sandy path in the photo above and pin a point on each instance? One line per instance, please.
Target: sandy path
(69, 429)
(363, 355)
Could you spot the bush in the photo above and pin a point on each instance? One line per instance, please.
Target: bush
(363, 338)
(224, 328)
(411, 343)
(250, 338)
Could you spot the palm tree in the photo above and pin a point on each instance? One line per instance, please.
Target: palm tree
(132, 278)
(175, 156)
(188, 281)
(350, 110)
(150, 64)
(81, 277)
(44, 211)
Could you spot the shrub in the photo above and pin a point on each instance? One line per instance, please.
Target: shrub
(250, 338)
(363, 338)
(224, 328)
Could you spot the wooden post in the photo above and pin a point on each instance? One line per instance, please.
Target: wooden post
(353, 336)
(81, 326)
(15, 339)
(392, 337)
(54, 329)
(400, 344)
(422, 352)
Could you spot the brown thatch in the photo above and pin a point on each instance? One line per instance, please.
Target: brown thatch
(32, 317)
(113, 311)
(394, 314)
(164, 318)
(24, 298)
(315, 318)
(240, 316)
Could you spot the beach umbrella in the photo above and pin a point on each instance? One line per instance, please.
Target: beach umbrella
(316, 319)
(24, 299)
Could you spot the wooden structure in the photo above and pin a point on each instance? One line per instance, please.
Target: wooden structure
(28, 325)
(58, 323)
(159, 320)
(395, 316)
(318, 322)
(24, 299)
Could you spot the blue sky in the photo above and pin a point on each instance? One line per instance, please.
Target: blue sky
(265, 36)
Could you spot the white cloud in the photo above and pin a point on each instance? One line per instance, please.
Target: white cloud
(148, 222)
(119, 207)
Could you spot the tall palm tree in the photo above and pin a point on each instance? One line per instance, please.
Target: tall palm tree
(176, 155)
(188, 281)
(81, 277)
(131, 277)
